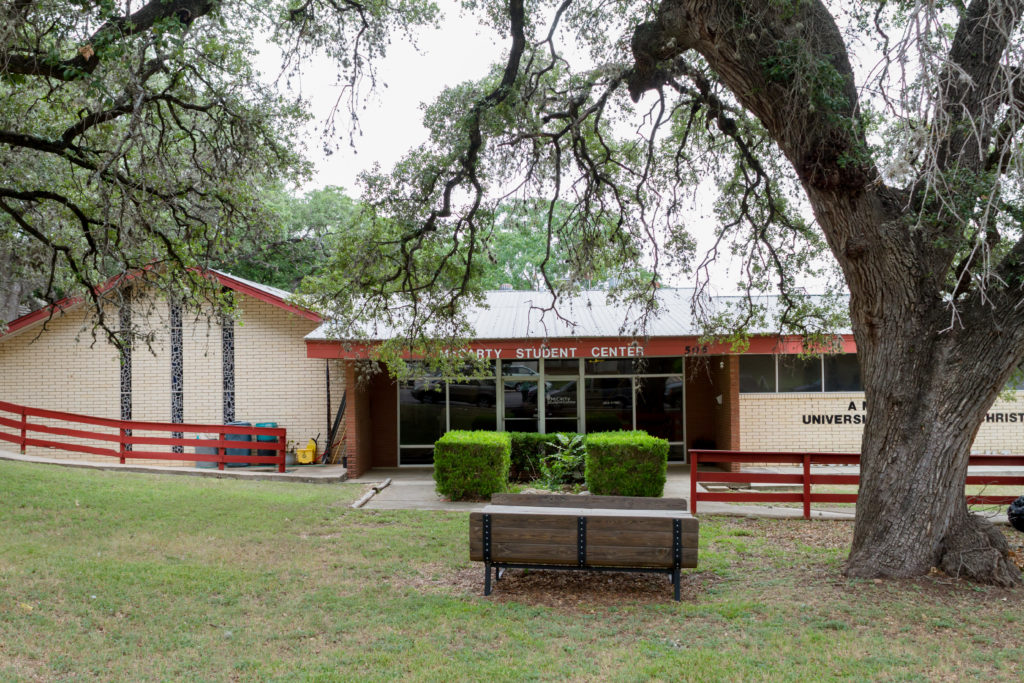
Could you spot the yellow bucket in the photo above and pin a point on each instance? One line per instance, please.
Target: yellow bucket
(306, 456)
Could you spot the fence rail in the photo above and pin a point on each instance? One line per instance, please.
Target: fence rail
(807, 479)
(124, 443)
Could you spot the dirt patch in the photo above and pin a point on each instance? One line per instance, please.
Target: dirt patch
(574, 591)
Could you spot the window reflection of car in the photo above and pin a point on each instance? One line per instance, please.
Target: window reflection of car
(517, 384)
(428, 390)
(478, 392)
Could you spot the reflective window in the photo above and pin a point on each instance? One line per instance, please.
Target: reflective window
(560, 405)
(520, 405)
(524, 368)
(609, 404)
(561, 366)
(757, 373)
(798, 374)
(421, 411)
(842, 373)
(608, 366)
(659, 402)
(416, 456)
(658, 366)
(471, 404)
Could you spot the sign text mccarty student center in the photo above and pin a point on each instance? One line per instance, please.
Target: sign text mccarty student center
(275, 362)
(547, 376)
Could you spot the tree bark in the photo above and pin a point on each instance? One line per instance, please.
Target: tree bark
(928, 386)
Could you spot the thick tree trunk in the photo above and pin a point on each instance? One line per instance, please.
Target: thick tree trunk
(911, 513)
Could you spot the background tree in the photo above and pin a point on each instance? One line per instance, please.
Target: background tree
(136, 135)
(514, 255)
(300, 242)
(909, 163)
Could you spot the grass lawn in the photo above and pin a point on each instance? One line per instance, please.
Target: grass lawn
(112, 576)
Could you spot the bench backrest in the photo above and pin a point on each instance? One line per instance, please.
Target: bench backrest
(589, 502)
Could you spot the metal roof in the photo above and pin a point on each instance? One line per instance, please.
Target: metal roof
(530, 315)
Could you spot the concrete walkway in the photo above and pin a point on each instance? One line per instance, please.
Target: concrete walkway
(307, 474)
(413, 489)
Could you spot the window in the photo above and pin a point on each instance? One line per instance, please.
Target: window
(842, 373)
(757, 374)
(798, 374)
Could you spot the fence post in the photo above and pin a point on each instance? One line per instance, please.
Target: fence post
(124, 446)
(693, 482)
(807, 486)
(24, 428)
(283, 444)
(222, 452)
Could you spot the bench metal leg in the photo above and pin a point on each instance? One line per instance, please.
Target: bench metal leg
(487, 578)
(675, 583)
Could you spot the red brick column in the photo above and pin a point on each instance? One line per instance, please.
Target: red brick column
(727, 422)
(357, 436)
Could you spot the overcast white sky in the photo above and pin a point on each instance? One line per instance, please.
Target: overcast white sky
(390, 123)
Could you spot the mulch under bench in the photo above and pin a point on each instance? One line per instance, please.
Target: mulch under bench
(594, 533)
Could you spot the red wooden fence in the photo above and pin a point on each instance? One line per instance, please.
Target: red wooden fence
(124, 443)
(806, 479)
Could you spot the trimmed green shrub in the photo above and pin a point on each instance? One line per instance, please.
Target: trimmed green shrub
(527, 451)
(471, 464)
(626, 464)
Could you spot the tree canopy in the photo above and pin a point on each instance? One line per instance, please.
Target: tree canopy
(137, 136)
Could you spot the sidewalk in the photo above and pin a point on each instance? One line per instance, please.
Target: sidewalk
(413, 489)
(307, 474)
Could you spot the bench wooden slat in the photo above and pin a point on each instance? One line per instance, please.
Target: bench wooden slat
(530, 534)
(595, 523)
(533, 552)
(628, 538)
(589, 502)
(496, 510)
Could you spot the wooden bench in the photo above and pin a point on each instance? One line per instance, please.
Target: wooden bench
(595, 533)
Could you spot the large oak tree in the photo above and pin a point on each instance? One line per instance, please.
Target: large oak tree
(887, 132)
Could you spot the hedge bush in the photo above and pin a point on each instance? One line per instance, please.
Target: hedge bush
(527, 450)
(471, 464)
(626, 464)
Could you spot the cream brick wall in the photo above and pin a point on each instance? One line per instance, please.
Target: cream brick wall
(274, 381)
(61, 368)
(826, 422)
(1003, 428)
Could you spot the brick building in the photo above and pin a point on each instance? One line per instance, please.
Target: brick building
(275, 362)
(193, 369)
(550, 376)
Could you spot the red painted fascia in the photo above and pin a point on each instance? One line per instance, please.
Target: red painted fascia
(653, 346)
(46, 312)
(67, 303)
(265, 297)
